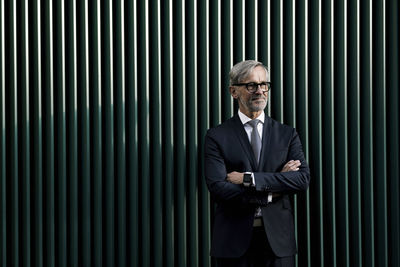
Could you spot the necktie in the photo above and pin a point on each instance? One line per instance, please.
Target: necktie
(255, 139)
(256, 145)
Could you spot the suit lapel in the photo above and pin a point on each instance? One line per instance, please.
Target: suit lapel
(244, 140)
(265, 142)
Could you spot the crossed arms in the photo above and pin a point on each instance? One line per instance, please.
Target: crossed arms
(293, 177)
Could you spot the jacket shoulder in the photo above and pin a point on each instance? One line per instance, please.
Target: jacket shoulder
(222, 128)
(280, 126)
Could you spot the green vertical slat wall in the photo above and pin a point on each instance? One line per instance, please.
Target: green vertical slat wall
(104, 106)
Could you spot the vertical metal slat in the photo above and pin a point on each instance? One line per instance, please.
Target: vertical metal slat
(37, 137)
(24, 107)
(120, 151)
(354, 133)
(12, 173)
(132, 141)
(60, 136)
(328, 97)
(48, 134)
(180, 139)
(367, 149)
(144, 131)
(108, 132)
(392, 63)
(380, 133)
(191, 131)
(155, 85)
(72, 132)
(316, 156)
(168, 130)
(96, 130)
(83, 133)
(302, 201)
(226, 57)
(3, 189)
(204, 119)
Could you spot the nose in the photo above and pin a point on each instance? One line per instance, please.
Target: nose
(259, 91)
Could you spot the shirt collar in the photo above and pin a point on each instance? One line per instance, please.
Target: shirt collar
(246, 119)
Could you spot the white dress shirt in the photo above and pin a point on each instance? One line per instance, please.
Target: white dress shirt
(248, 128)
(260, 127)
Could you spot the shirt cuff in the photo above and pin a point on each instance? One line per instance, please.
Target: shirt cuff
(269, 197)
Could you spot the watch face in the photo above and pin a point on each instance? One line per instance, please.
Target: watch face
(247, 178)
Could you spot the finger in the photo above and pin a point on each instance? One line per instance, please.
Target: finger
(289, 164)
(296, 162)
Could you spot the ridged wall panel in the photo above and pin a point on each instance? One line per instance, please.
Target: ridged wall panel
(104, 106)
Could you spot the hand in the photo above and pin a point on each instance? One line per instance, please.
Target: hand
(292, 165)
(235, 177)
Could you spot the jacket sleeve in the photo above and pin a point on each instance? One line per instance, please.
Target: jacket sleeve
(215, 174)
(286, 182)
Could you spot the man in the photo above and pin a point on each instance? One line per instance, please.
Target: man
(252, 165)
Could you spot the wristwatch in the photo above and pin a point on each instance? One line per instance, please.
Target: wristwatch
(248, 179)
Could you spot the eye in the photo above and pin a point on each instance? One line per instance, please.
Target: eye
(251, 85)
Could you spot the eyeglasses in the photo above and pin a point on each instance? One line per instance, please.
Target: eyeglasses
(253, 87)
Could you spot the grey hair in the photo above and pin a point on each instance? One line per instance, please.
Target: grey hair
(240, 71)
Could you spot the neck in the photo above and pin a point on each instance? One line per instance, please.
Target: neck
(251, 114)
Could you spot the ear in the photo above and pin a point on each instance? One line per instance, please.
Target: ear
(233, 91)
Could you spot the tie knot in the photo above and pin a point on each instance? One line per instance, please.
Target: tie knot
(254, 123)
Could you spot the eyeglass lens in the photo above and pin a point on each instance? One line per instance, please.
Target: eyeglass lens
(252, 87)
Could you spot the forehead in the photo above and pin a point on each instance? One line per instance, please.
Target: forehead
(257, 74)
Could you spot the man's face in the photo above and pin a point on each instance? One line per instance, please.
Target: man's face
(256, 101)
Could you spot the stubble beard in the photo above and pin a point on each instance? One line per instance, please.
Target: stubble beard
(253, 107)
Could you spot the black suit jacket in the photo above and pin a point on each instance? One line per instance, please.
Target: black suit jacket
(227, 149)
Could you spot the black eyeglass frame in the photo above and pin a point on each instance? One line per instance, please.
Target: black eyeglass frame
(252, 91)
